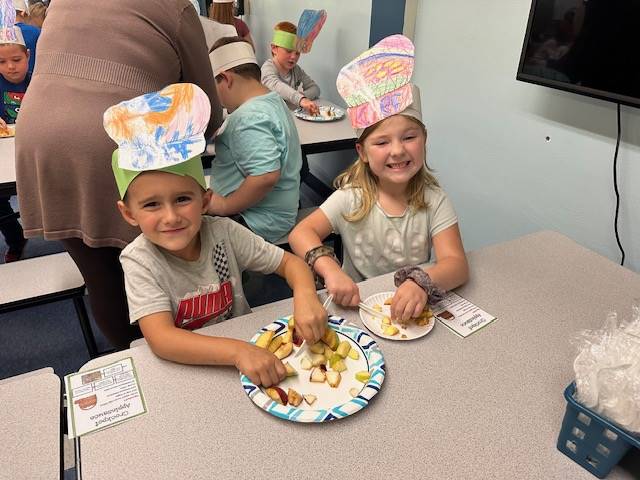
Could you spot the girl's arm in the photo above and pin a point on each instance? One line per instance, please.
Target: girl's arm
(183, 346)
(309, 234)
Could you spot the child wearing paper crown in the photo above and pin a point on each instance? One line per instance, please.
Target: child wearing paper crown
(282, 74)
(184, 270)
(388, 209)
(256, 172)
(14, 80)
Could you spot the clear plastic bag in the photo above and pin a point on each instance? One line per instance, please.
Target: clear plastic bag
(607, 369)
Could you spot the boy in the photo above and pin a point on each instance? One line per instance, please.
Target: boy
(184, 271)
(14, 79)
(256, 172)
(282, 74)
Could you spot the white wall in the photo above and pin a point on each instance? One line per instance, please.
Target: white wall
(487, 135)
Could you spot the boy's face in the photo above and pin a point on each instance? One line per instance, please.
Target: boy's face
(284, 57)
(224, 83)
(14, 62)
(168, 209)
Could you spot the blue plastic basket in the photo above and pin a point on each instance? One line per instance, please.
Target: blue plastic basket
(590, 440)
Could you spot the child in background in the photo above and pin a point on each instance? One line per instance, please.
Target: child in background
(282, 74)
(222, 12)
(388, 209)
(14, 80)
(37, 14)
(30, 33)
(184, 270)
(256, 172)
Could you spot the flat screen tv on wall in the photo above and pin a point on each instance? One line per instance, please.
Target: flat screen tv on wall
(590, 47)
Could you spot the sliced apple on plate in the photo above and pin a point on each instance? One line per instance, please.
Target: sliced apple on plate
(277, 395)
(333, 379)
(317, 375)
(294, 397)
(310, 399)
(305, 363)
(291, 372)
(284, 350)
(363, 376)
(264, 339)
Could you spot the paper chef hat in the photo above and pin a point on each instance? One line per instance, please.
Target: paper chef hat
(377, 83)
(231, 55)
(159, 131)
(9, 33)
(309, 26)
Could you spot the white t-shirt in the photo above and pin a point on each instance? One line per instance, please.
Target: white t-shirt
(382, 243)
(201, 292)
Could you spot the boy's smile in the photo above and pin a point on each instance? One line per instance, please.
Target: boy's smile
(14, 62)
(168, 209)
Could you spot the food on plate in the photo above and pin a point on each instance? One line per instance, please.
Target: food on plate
(264, 339)
(403, 336)
(310, 399)
(275, 343)
(287, 337)
(390, 330)
(363, 376)
(317, 375)
(353, 354)
(284, 350)
(336, 362)
(294, 397)
(328, 352)
(305, 363)
(277, 395)
(333, 379)
(317, 348)
(388, 301)
(330, 338)
(7, 131)
(297, 339)
(354, 392)
(386, 321)
(318, 359)
(343, 348)
(291, 372)
(291, 322)
(377, 307)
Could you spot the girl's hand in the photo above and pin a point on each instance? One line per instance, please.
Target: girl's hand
(217, 205)
(310, 317)
(260, 365)
(344, 290)
(408, 302)
(3, 125)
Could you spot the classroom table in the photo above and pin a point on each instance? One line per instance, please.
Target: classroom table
(7, 167)
(30, 426)
(488, 406)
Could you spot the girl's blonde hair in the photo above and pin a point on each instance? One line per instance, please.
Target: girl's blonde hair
(222, 13)
(37, 14)
(360, 176)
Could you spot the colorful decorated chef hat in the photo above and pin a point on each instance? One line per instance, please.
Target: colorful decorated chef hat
(309, 26)
(9, 33)
(231, 55)
(377, 83)
(161, 131)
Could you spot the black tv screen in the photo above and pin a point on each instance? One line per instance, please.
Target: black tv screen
(589, 47)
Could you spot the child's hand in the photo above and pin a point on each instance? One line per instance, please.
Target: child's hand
(217, 205)
(3, 125)
(344, 290)
(408, 302)
(260, 365)
(310, 317)
(310, 105)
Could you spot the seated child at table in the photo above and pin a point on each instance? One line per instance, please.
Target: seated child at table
(388, 209)
(256, 171)
(282, 74)
(184, 271)
(14, 80)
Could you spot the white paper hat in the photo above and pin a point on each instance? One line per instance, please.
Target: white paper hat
(9, 33)
(231, 55)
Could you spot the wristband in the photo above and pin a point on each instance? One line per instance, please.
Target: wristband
(320, 251)
(422, 279)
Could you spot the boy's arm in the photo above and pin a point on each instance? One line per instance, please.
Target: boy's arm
(183, 346)
(310, 317)
(273, 82)
(310, 88)
(250, 192)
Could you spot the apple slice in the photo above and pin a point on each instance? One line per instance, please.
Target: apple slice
(305, 363)
(390, 330)
(275, 343)
(327, 351)
(343, 348)
(317, 360)
(277, 395)
(333, 379)
(292, 322)
(386, 321)
(354, 392)
(291, 372)
(317, 376)
(310, 399)
(363, 376)
(294, 397)
(284, 350)
(353, 354)
(264, 339)
(330, 338)
(287, 337)
(317, 347)
(388, 301)
(297, 339)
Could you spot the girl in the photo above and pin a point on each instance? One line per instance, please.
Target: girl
(388, 209)
(222, 12)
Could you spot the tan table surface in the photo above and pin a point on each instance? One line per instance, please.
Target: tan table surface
(30, 426)
(323, 132)
(7, 160)
(488, 406)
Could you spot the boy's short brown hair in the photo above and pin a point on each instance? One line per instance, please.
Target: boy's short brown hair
(286, 27)
(248, 70)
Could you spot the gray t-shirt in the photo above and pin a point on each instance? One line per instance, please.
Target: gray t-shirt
(201, 292)
(292, 86)
(382, 243)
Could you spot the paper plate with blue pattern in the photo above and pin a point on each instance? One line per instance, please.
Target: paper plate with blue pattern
(331, 403)
(326, 113)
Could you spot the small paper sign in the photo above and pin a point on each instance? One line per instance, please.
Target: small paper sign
(103, 397)
(460, 315)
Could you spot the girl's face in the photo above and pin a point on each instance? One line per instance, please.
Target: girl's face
(395, 151)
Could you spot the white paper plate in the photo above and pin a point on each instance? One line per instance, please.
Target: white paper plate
(373, 323)
(327, 114)
(332, 403)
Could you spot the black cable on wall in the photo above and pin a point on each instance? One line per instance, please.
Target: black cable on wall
(615, 188)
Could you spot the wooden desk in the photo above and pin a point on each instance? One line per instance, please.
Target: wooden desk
(30, 426)
(488, 406)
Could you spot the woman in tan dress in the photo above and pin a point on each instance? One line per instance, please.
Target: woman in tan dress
(90, 57)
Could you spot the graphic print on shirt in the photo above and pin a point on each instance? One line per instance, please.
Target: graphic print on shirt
(208, 302)
(11, 105)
